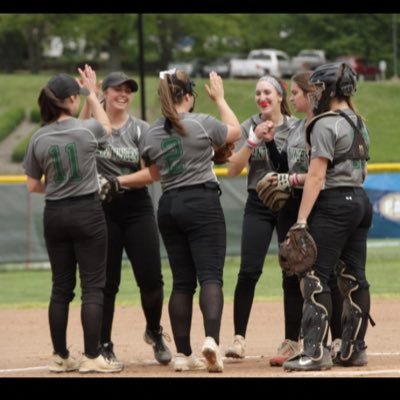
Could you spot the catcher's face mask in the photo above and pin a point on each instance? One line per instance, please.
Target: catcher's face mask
(315, 96)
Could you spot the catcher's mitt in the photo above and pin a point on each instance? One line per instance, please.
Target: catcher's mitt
(108, 188)
(222, 153)
(298, 252)
(274, 193)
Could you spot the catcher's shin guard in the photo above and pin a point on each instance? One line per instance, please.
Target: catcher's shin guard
(314, 323)
(352, 313)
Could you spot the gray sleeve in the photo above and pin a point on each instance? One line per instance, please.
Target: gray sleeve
(323, 140)
(142, 131)
(98, 130)
(30, 164)
(216, 130)
(145, 146)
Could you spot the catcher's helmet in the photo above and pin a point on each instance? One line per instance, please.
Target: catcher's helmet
(332, 80)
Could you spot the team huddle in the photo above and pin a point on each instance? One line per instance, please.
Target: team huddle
(305, 179)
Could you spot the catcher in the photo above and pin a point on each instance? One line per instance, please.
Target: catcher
(340, 215)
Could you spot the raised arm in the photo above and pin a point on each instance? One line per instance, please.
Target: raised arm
(216, 92)
(97, 110)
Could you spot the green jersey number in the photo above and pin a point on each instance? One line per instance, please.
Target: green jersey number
(59, 173)
(173, 155)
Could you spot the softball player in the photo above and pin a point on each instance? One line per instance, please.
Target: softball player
(294, 159)
(179, 148)
(259, 221)
(339, 214)
(130, 217)
(63, 150)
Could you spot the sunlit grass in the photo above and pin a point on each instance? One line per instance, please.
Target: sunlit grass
(31, 288)
(376, 101)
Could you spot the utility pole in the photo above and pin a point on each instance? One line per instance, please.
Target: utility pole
(141, 67)
(394, 30)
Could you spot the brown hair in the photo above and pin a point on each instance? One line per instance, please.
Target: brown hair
(51, 107)
(301, 79)
(171, 91)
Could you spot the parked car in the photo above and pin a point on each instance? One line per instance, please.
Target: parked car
(193, 68)
(361, 67)
(222, 65)
(308, 60)
(260, 62)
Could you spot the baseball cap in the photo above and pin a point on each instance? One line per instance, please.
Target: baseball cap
(118, 78)
(64, 85)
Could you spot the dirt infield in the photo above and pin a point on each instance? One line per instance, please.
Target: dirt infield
(26, 347)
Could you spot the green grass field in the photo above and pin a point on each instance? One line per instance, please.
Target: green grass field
(31, 288)
(376, 101)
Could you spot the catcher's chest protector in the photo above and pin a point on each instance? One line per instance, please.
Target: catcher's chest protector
(358, 149)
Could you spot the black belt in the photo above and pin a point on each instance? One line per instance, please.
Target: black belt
(205, 185)
(90, 196)
(132, 191)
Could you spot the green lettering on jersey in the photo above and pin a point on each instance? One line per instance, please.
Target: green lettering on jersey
(59, 174)
(73, 162)
(173, 155)
(54, 152)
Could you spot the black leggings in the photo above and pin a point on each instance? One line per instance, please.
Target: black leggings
(258, 225)
(192, 225)
(75, 233)
(132, 226)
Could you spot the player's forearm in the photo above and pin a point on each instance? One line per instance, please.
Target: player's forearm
(229, 117)
(99, 112)
(35, 185)
(312, 187)
(137, 179)
(85, 112)
(238, 161)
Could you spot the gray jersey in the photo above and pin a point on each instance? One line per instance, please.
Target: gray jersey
(121, 156)
(65, 152)
(184, 160)
(296, 148)
(259, 163)
(332, 137)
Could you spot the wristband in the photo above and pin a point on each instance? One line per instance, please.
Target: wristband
(251, 144)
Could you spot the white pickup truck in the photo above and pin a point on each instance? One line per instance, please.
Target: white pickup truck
(308, 60)
(261, 62)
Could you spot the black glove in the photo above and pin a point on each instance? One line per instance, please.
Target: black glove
(108, 188)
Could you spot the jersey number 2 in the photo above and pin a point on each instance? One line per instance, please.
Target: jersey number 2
(173, 155)
(59, 173)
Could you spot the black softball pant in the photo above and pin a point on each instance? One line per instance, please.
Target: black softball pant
(192, 225)
(339, 224)
(75, 233)
(132, 226)
(292, 297)
(258, 225)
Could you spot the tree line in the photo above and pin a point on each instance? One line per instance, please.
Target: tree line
(168, 37)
